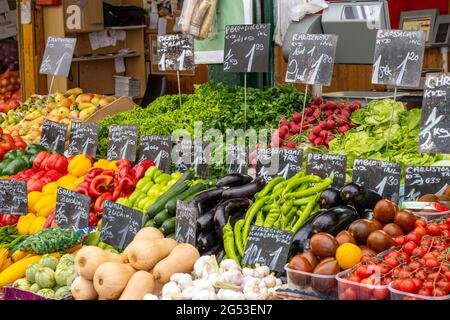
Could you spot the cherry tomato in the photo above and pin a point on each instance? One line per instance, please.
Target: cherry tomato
(428, 255)
(447, 275)
(396, 283)
(424, 292)
(383, 268)
(404, 257)
(354, 278)
(391, 262)
(417, 282)
(419, 251)
(444, 285)
(420, 223)
(409, 247)
(399, 241)
(438, 292)
(420, 231)
(421, 274)
(445, 234)
(433, 229)
(407, 285)
(432, 263)
(380, 293)
(428, 284)
(348, 294)
(435, 276)
(412, 237)
(403, 274)
(362, 272)
(413, 265)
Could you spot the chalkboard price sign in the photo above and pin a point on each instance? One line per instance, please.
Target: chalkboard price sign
(267, 247)
(83, 139)
(13, 197)
(122, 142)
(119, 224)
(434, 135)
(247, 48)
(175, 52)
(237, 158)
(54, 136)
(311, 58)
(188, 154)
(157, 149)
(398, 58)
(425, 180)
(58, 56)
(72, 209)
(323, 164)
(186, 225)
(380, 176)
(273, 162)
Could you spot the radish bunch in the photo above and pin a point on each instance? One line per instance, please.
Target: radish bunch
(323, 121)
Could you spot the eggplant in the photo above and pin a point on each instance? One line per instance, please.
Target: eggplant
(206, 240)
(367, 214)
(245, 191)
(207, 200)
(214, 250)
(369, 201)
(233, 180)
(220, 255)
(301, 240)
(206, 221)
(237, 216)
(227, 209)
(330, 198)
(334, 220)
(352, 192)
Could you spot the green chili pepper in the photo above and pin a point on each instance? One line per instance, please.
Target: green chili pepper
(238, 236)
(259, 219)
(267, 208)
(304, 215)
(271, 218)
(313, 190)
(228, 243)
(250, 215)
(294, 184)
(286, 207)
(268, 188)
(303, 201)
(277, 224)
(292, 223)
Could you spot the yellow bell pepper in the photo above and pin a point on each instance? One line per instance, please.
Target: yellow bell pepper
(24, 223)
(68, 182)
(33, 198)
(79, 165)
(37, 225)
(105, 164)
(50, 188)
(44, 206)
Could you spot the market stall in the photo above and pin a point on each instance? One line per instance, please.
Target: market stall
(229, 192)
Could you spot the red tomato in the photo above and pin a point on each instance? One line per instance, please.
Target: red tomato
(447, 275)
(435, 276)
(407, 285)
(404, 257)
(399, 241)
(396, 284)
(409, 247)
(433, 229)
(404, 274)
(354, 278)
(383, 268)
(429, 255)
(387, 280)
(362, 272)
(420, 223)
(348, 294)
(432, 264)
(391, 262)
(438, 292)
(420, 231)
(445, 234)
(412, 237)
(421, 274)
(417, 282)
(414, 265)
(424, 292)
(428, 284)
(380, 293)
(419, 251)
(444, 285)
(447, 221)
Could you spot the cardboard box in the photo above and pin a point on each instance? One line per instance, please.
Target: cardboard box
(120, 105)
(91, 15)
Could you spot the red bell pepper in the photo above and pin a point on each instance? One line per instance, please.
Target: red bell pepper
(123, 172)
(19, 143)
(38, 175)
(57, 162)
(8, 219)
(108, 173)
(83, 188)
(35, 185)
(101, 184)
(138, 171)
(100, 202)
(122, 163)
(40, 160)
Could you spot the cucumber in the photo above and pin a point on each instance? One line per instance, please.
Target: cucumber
(171, 205)
(168, 226)
(150, 223)
(161, 217)
(171, 236)
(179, 187)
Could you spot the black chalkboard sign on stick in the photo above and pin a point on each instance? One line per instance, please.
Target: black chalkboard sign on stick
(122, 142)
(237, 158)
(267, 247)
(157, 149)
(72, 209)
(434, 135)
(380, 176)
(425, 180)
(13, 197)
(324, 164)
(54, 135)
(186, 225)
(83, 139)
(273, 162)
(119, 224)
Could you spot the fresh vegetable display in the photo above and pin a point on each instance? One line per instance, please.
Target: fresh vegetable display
(50, 240)
(18, 160)
(8, 143)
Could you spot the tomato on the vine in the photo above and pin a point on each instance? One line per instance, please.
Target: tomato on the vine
(399, 241)
(435, 276)
(354, 278)
(420, 223)
(421, 274)
(407, 285)
(420, 231)
(432, 263)
(433, 229)
(409, 247)
(438, 292)
(413, 237)
(362, 272)
(419, 251)
(424, 292)
(392, 262)
(413, 265)
(444, 285)
(403, 274)
(417, 282)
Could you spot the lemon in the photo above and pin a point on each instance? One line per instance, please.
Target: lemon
(348, 255)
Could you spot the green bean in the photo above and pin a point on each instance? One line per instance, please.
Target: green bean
(238, 236)
(250, 215)
(310, 191)
(228, 243)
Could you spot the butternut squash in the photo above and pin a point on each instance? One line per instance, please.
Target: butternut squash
(138, 286)
(144, 254)
(17, 270)
(180, 260)
(111, 278)
(83, 289)
(147, 233)
(89, 258)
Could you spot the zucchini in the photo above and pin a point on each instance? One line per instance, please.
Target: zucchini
(161, 217)
(150, 223)
(171, 205)
(179, 187)
(168, 226)
(171, 236)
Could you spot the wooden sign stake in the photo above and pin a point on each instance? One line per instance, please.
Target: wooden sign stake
(303, 110)
(179, 86)
(245, 100)
(390, 120)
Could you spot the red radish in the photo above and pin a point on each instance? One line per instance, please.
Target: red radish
(323, 124)
(345, 114)
(323, 134)
(293, 123)
(312, 138)
(331, 124)
(297, 117)
(343, 129)
(311, 120)
(323, 107)
(295, 129)
(305, 127)
(330, 105)
(318, 141)
(287, 136)
(308, 112)
(328, 113)
(341, 122)
(316, 101)
(284, 122)
(316, 130)
(282, 131)
(337, 111)
(328, 140)
(291, 144)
